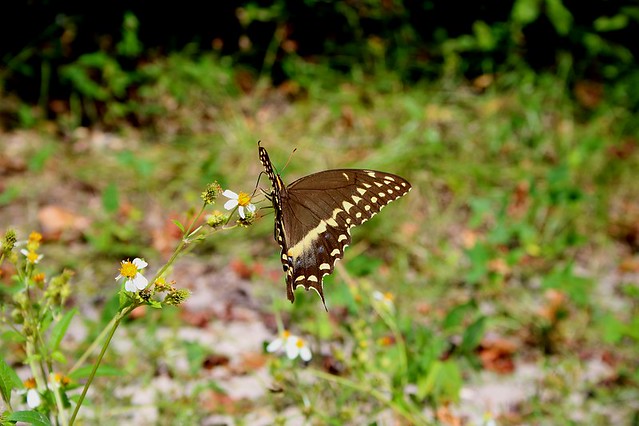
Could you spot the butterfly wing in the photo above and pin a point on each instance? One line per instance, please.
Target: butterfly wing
(317, 214)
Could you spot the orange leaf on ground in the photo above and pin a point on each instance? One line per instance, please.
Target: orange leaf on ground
(56, 220)
(445, 416)
(496, 354)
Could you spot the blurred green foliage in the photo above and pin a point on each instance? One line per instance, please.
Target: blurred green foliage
(98, 67)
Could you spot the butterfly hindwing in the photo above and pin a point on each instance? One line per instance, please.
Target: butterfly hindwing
(314, 215)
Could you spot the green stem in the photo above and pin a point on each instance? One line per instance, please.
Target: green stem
(92, 347)
(62, 412)
(413, 418)
(116, 323)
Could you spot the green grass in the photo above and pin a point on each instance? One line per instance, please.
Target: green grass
(517, 191)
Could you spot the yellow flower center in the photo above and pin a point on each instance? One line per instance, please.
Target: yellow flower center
(300, 343)
(35, 237)
(128, 270)
(30, 383)
(39, 278)
(32, 256)
(286, 334)
(388, 296)
(243, 199)
(61, 379)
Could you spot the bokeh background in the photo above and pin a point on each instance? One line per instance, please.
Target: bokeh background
(508, 277)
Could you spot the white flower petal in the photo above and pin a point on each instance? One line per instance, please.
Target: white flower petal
(275, 345)
(33, 398)
(140, 281)
(292, 350)
(305, 353)
(25, 252)
(230, 204)
(118, 277)
(241, 212)
(230, 194)
(251, 208)
(140, 263)
(129, 286)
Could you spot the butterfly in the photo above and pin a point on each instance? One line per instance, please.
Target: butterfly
(314, 216)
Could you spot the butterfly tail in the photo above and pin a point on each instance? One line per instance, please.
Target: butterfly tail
(290, 288)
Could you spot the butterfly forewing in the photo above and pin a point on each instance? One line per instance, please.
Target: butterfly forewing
(315, 213)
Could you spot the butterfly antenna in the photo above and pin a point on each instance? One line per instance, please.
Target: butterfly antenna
(289, 159)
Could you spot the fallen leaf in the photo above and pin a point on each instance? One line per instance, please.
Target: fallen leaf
(629, 265)
(218, 402)
(56, 221)
(589, 93)
(215, 360)
(445, 416)
(496, 354)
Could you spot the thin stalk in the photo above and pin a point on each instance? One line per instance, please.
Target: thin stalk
(116, 323)
(93, 345)
(413, 418)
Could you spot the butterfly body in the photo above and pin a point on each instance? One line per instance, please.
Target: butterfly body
(314, 215)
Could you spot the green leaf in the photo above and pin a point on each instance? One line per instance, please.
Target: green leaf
(611, 328)
(103, 371)
(12, 336)
(484, 34)
(617, 22)
(179, 225)
(32, 417)
(560, 17)
(525, 11)
(37, 162)
(110, 198)
(60, 329)
(442, 382)
(473, 335)
(455, 316)
(9, 194)
(9, 380)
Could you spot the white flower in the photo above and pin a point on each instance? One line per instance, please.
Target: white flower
(295, 347)
(292, 345)
(386, 299)
(32, 256)
(130, 271)
(33, 398)
(243, 200)
(279, 343)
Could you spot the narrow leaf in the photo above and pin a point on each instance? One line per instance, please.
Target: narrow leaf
(473, 335)
(103, 371)
(179, 225)
(111, 198)
(60, 329)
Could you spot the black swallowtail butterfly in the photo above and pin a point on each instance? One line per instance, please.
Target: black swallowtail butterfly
(314, 215)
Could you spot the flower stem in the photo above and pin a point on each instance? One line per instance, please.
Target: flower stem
(92, 347)
(114, 327)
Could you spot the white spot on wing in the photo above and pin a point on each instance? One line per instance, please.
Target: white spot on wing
(335, 252)
(325, 267)
(341, 238)
(361, 191)
(356, 199)
(347, 206)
